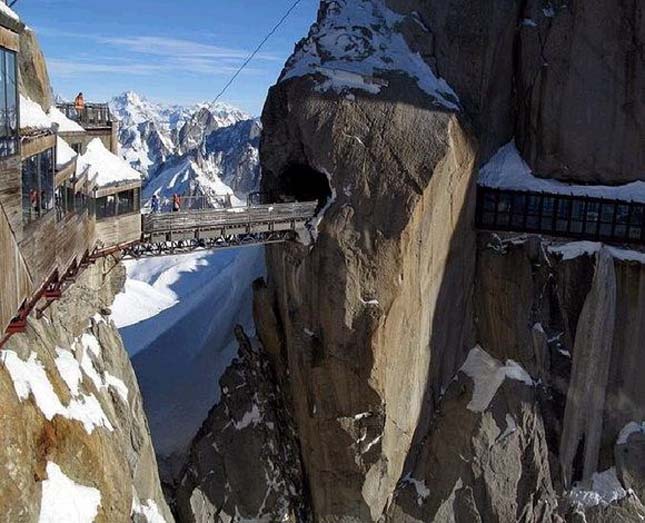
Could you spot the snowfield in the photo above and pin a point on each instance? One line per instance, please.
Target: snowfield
(176, 317)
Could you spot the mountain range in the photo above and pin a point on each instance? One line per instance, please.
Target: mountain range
(205, 149)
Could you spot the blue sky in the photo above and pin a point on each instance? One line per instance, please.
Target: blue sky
(180, 51)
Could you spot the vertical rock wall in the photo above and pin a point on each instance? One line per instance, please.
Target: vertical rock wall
(70, 398)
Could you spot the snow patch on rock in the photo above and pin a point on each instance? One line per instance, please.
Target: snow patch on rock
(29, 377)
(632, 427)
(354, 43)
(508, 170)
(148, 509)
(65, 500)
(572, 250)
(488, 374)
(422, 490)
(605, 489)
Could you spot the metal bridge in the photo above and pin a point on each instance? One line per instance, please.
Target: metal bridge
(168, 233)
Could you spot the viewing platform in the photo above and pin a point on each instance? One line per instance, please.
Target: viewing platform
(92, 115)
(561, 215)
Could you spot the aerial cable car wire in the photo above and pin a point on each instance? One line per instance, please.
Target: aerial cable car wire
(257, 49)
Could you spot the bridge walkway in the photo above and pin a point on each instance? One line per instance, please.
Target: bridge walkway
(166, 233)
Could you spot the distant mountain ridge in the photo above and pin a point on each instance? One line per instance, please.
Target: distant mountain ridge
(202, 149)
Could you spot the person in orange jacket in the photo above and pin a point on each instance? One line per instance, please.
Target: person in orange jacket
(176, 202)
(79, 104)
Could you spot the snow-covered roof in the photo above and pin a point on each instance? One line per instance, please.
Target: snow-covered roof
(65, 125)
(507, 170)
(64, 153)
(104, 167)
(32, 115)
(354, 43)
(6, 10)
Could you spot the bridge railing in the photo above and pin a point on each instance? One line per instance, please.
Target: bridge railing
(194, 203)
(563, 215)
(235, 216)
(92, 115)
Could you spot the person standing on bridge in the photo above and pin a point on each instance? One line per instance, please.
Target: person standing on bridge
(176, 202)
(79, 104)
(154, 204)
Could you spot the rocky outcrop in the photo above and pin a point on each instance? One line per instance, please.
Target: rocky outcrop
(580, 75)
(244, 463)
(73, 424)
(365, 308)
(34, 78)
(384, 113)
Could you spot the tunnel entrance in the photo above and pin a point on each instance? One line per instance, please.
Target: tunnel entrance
(301, 183)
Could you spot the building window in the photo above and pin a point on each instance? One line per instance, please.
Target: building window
(124, 202)
(64, 200)
(8, 103)
(37, 185)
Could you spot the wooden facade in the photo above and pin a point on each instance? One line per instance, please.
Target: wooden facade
(119, 229)
(16, 284)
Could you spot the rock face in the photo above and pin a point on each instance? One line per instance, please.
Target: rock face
(244, 462)
(581, 75)
(385, 113)
(72, 408)
(34, 78)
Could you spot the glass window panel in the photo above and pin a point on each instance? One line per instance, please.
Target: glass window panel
(519, 204)
(605, 230)
(634, 233)
(30, 189)
(637, 215)
(517, 220)
(46, 167)
(620, 231)
(548, 205)
(607, 212)
(504, 204)
(533, 207)
(577, 210)
(12, 94)
(503, 219)
(532, 223)
(593, 212)
(563, 209)
(547, 222)
(488, 218)
(591, 227)
(576, 227)
(622, 213)
(562, 225)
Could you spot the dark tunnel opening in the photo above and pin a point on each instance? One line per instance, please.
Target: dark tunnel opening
(301, 183)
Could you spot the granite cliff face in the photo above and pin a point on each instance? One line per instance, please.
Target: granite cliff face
(72, 414)
(392, 324)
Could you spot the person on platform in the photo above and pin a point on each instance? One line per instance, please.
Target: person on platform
(176, 202)
(79, 104)
(154, 204)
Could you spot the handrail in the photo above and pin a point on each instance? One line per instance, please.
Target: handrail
(92, 114)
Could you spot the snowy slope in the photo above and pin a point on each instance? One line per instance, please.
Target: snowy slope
(177, 314)
(176, 318)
